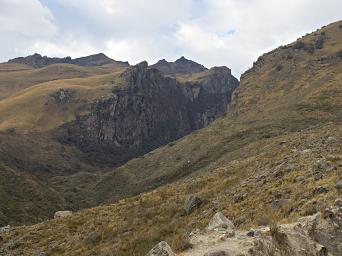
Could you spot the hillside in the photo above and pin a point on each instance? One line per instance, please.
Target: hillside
(275, 156)
(63, 126)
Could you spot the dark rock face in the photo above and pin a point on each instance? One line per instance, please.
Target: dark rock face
(38, 61)
(191, 203)
(180, 66)
(150, 111)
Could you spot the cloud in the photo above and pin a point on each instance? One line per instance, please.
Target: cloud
(213, 32)
(21, 24)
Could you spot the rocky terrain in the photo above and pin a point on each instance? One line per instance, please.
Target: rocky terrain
(147, 111)
(310, 235)
(72, 123)
(269, 169)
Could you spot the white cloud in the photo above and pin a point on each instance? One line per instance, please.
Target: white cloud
(22, 23)
(213, 32)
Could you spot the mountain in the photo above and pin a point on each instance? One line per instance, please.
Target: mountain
(38, 61)
(180, 66)
(274, 157)
(63, 126)
(148, 110)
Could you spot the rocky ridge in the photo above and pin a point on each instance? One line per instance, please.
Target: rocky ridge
(180, 66)
(37, 61)
(149, 110)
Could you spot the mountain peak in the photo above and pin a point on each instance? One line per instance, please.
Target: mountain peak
(180, 66)
(37, 60)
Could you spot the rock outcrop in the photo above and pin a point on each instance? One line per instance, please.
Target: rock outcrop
(161, 249)
(319, 234)
(180, 66)
(148, 111)
(38, 61)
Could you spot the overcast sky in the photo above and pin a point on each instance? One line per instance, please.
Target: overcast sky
(213, 32)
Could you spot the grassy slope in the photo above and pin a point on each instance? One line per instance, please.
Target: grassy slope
(278, 128)
(268, 103)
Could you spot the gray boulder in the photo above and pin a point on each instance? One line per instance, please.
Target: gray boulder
(192, 202)
(5, 229)
(62, 214)
(219, 221)
(338, 185)
(161, 249)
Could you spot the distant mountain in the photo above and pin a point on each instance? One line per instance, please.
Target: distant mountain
(38, 61)
(180, 66)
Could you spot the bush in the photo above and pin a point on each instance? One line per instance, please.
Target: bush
(180, 243)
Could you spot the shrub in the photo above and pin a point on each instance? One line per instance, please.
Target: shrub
(180, 243)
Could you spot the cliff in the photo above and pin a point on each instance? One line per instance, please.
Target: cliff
(148, 110)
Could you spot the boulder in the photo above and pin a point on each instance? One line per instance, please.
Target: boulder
(61, 214)
(338, 185)
(219, 221)
(192, 202)
(338, 202)
(5, 229)
(161, 249)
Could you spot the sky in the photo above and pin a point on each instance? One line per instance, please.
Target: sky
(232, 33)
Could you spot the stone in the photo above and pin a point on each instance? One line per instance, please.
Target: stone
(331, 140)
(320, 190)
(338, 185)
(62, 214)
(323, 165)
(338, 202)
(5, 229)
(220, 221)
(192, 202)
(161, 249)
(250, 233)
(63, 95)
(217, 253)
(299, 178)
(280, 203)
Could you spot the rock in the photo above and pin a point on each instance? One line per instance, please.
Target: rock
(323, 165)
(338, 185)
(306, 152)
(5, 229)
(299, 178)
(240, 220)
(338, 202)
(192, 202)
(220, 221)
(161, 249)
(318, 176)
(217, 253)
(62, 214)
(331, 140)
(63, 95)
(250, 233)
(320, 190)
(93, 238)
(280, 203)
